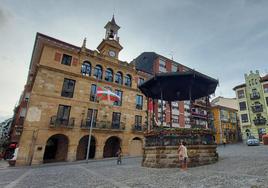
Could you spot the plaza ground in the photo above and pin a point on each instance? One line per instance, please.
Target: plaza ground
(239, 166)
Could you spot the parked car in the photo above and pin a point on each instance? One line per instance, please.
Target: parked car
(252, 141)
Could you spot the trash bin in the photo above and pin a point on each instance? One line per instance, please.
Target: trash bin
(265, 139)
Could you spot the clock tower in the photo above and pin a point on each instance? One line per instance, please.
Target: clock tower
(110, 44)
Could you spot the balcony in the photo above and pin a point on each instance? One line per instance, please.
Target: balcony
(255, 96)
(61, 122)
(138, 106)
(257, 108)
(259, 121)
(137, 128)
(86, 123)
(199, 115)
(104, 125)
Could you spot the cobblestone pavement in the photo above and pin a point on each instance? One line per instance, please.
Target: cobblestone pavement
(239, 166)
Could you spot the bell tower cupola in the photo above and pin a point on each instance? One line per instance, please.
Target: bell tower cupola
(112, 30)
(110, 45)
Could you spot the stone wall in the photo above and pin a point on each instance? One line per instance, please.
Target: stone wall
(167, 156)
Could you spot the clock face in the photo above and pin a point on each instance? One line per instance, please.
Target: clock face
(112, 53)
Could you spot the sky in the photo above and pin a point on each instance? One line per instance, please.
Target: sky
(223, 39)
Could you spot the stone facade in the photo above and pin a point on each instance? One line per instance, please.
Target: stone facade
(167, 156)
(46, 137)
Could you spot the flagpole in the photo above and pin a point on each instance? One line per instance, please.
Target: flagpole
(91, 122)
(90, 132)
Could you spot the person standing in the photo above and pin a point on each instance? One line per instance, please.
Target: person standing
(224, 141)
(119, 156)
(183, 156)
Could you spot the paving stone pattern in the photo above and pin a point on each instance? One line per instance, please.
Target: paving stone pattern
(239, 166)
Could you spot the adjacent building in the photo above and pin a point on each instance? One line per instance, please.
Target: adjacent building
(176, 113)
(252, 101)
(53, 117)
(225, 118)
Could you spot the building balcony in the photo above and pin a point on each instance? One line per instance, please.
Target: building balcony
(138, 106)
(259, 121)
(137, 128)
(86, 123)
(257, 108)
(61, 122)
(255, 96)
(103, 125)
(199, 115)
(201, 103)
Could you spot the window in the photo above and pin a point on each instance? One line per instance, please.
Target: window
(86, 68)
(116, 120)
(162, 63)
(93, 92)
(265, 88)
(240, 94)
(174, 68)
(23, 112)
(63, 114)
(128, 80)
(175, 118)
(68, 88)
(244, 118)
(140, 81)
(138, 120)
(242, 106)
(98, 72)
(109, 75)
(27, 96)
(139, 102)
(89, 115)
(119, 78)
(66, 60)
(120, 94)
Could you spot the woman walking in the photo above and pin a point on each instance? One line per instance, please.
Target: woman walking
(119, 156)
(182, 151)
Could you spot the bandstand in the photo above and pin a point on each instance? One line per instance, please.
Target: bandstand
(161, 143)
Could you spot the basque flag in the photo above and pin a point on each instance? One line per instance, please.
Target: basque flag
(107, 94)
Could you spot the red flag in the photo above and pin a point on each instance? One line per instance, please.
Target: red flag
(151, 106)
(107, 94)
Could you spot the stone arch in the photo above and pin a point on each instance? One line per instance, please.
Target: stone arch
(98, 71)
(86, 68)
(56, 148)
(128, 80)
(109, 75)
(111, 146)
(81, 152)
(136, 147)
(119, 78)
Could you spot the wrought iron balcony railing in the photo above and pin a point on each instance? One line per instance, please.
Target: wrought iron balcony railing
(61, 122)
(137, 128)
(86, 123)
(257, 108)
(255, 96)
(103, 125)
(260, 121)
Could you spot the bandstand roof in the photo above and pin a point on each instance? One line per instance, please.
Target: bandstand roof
(179, 86)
